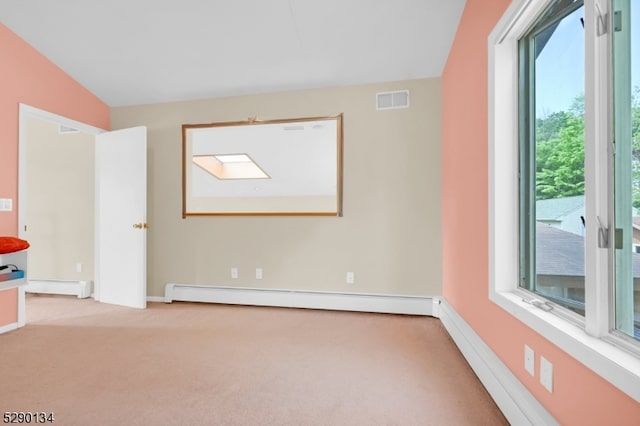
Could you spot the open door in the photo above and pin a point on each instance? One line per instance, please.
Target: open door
(121, 217)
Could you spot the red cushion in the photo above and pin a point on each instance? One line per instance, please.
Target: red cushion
(11, 244)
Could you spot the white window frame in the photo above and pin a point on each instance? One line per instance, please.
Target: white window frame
(590, 342)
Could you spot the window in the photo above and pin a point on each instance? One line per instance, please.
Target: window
(626, 164)
(564, 175)
(551, 134)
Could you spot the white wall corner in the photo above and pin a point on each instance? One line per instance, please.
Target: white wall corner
(518, 405)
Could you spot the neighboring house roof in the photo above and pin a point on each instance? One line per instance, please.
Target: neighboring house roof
(557, 208)
(561, 253)
(558, 252)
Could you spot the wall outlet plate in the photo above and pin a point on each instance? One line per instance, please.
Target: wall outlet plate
(529, 360)
(351, 278)
(6, 204)
(234, 273)
(546, 374)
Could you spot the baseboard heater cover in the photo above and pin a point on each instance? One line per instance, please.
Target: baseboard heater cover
(515, 401)
(391, 304)
(82, 289)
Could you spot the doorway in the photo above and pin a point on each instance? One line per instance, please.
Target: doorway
(106, 202)
(57, 202)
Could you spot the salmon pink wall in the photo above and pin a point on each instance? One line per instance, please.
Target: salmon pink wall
(9, 309)
(28, 77)
(579, 396)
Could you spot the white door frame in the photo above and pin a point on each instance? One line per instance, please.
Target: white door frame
(26, 112)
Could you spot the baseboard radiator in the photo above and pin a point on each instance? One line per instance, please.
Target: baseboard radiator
(82, 289)
(517, 404)
(391, 304)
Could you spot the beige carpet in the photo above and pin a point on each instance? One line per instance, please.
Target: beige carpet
(204, 364)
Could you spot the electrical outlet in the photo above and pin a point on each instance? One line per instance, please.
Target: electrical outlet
(546, 374)
(78, 267)
(234, 273)
(351, 278)
(6, 204)
(258, 273)
(529, 360)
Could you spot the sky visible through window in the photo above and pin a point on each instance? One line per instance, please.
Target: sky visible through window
(565, 53)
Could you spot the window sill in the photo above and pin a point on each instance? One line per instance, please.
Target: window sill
(617, 366)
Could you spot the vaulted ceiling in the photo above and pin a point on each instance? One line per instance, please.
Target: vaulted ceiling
(146, 51)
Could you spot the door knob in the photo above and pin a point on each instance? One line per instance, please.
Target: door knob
(141, 225)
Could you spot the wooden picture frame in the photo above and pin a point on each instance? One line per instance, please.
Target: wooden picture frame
(263, 168)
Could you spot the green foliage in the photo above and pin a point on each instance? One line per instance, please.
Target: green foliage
(548, 128)
(635, 122)
(635, 146)
(560, 152)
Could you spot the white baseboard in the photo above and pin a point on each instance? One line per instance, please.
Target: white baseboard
(82, 289)
(391, 304)
(155, 299)
(518, 405)
(8, 327)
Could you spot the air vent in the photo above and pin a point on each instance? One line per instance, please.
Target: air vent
(392, 100)
(62, 129)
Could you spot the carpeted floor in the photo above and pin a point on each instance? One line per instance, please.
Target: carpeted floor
(204, 364)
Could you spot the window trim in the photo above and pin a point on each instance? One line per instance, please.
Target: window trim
(592, 344)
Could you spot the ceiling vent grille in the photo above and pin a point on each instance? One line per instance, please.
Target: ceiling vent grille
(392, 100)
(62, 129)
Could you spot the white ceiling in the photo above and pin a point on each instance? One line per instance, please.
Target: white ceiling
(146, 51)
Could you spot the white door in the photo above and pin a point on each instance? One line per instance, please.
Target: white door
(121, 217)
